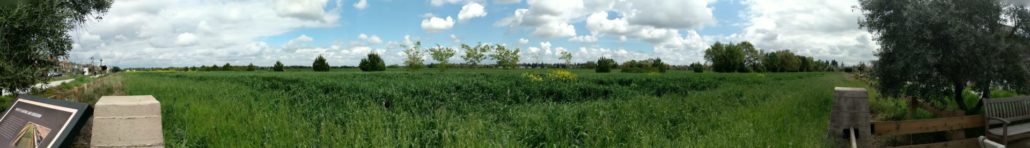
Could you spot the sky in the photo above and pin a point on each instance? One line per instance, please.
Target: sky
(175, 33)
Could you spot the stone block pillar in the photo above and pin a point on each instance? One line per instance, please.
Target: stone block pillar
(850, 113)
(127, 121)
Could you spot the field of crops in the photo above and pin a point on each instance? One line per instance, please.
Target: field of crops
(489, 108)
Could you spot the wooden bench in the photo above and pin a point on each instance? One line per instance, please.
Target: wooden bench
(1006, 118)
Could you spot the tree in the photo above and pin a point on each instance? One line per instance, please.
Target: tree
(474, 55)
(505, 58)
(752, 57)
(414, 54)
(441, 54)
(34, 37)
(116, 69)
(726, 57)
(567, 57)
(214, 67)
(320, 64)
(372, 63)
(251, 67)
(605, 65)
(697, 67)
(278, 67)
(930, 48)
(226, 67)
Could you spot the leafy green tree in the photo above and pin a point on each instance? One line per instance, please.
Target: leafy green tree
(116, 69)
(605, 65)
(726, 57)
(474, 55)
(567, 57)
(320, 64)
(414, 54)
(372, 63)
(251, 67)
(697, 67)
(278, 67)
(752, 57)
(505, 58)
(931, 48)
(34, 37)
(441, 54)
(226, 67)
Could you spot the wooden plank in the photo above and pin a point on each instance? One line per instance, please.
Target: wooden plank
(881, 128)
(964, 143)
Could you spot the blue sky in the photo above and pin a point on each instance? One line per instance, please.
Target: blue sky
(161, 33)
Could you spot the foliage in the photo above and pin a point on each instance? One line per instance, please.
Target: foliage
(441, 54)
(34, 37)
(488, 107)
(932, 48)
(605, 65)
(645, 66)
(726, 57)
(320, 64)
(372, 63)
(116, 69)
(567, 57)
(226, 67)
(251, 67)
(505, 58)
(697, 67)
(279, 67)
(413, 57)
(474, 55)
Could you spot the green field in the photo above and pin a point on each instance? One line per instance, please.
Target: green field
(490, 108)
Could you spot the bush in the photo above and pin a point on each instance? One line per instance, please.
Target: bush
(278, 66)
(649, 65)
(605, 65)
(697, 67)
(372, 63)
(320, 64)
(251, 67)
(116, 69)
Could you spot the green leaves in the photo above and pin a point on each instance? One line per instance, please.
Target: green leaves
(320, 64)
(372, 63)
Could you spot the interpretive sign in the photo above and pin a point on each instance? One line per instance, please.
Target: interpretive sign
(41, 122)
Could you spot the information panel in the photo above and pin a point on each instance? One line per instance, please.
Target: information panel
(41, 122)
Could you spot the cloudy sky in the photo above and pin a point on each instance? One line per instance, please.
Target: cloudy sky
(161, 33)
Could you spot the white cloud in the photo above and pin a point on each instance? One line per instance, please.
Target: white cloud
(523, 41)
(455, 38)
(442, 2)
(196, 32)
(584, 39)
(436, 24)
(303, 9)
(507, 1)
(361, 4)
(671, 14)
(555, 30)
(548, 18)
(471, 10)
(822, 29)
(185, 38)
(298, 41)
(373, 39)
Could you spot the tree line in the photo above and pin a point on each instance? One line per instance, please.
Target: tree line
(744, 57)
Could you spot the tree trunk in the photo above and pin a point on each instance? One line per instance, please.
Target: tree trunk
(959, 86)
(985, 94)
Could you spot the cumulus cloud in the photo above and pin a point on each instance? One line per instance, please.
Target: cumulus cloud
(547, 18)
(471, 10)
(822, 29)
(584, 39)
(298, 41)
(373, 39)
(185, 38)
(196, 32)
(507, 1)
(361, 4)
(436, 24)
(455, 38)
(442, 2)
(523, 41)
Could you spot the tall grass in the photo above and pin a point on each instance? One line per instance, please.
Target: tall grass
(488, 108)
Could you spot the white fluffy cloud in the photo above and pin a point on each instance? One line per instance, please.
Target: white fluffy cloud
(548, 18)
(195, 32)
(523, 41)
(507, 1)
(436, 24)
(361, 4)
(822, 29)
(373, 39)
(471, 10)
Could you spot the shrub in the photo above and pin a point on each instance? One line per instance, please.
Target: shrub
(649, 65)
(251, 67)
(697, 67)
(320, 64)
(605, 65)
(116, 69)
(278, 66)
(413, 57)
(227, 67)
(561, 75)
(372, 63)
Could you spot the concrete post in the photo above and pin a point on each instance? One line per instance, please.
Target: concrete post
(127, 121)
(850, 113)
